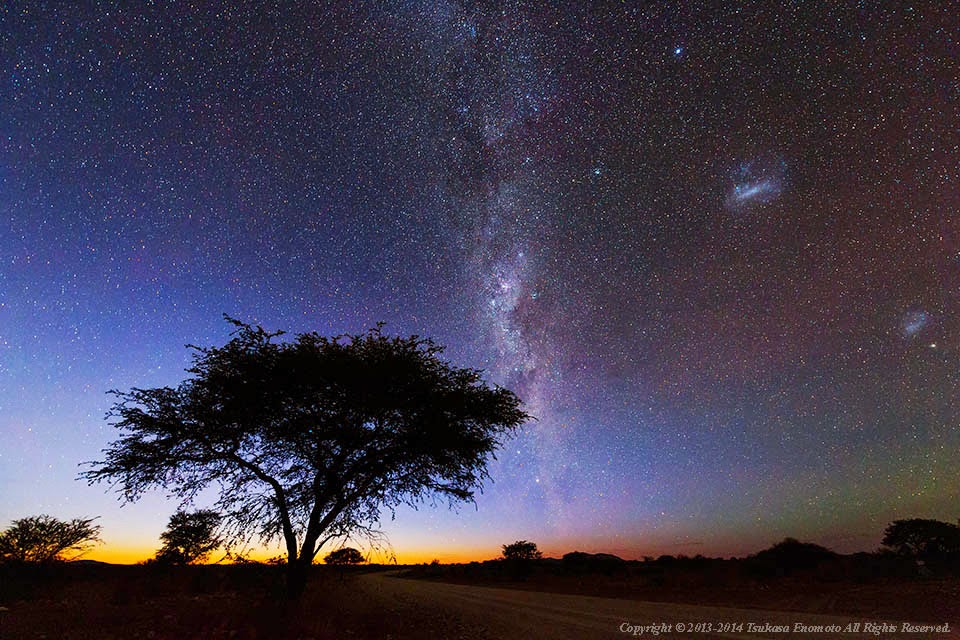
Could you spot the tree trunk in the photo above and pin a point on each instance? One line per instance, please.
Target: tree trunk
(297, 574)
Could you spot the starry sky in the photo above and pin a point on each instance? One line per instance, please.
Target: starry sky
(714, 247)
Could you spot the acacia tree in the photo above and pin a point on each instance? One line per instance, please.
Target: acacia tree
(44, 538)
(521, 550)
(189, 537)
(344, 556)
(921, 538)
(308, 439)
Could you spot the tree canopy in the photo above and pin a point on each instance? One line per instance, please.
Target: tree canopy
(44, 538)
(189, 537)
(308, 439)
(921, 538)
(521, 550)
(344, 556)
(790, 555)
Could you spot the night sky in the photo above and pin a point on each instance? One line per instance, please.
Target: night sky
(714, 248)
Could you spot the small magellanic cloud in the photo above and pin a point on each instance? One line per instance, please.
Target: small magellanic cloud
(914, 321)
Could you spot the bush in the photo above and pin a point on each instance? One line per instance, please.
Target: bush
(43, 539)
(789, 556)
(922, 539)
(189, 537)
(344, 556)
(521, 550)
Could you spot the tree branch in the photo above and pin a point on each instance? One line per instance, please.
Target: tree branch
(288, 534)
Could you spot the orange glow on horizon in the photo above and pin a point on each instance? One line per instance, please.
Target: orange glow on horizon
(121, 554)
(133, 554)
(117, 554)
(129, 552)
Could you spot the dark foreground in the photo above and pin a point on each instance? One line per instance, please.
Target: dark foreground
(245, 602)
(512, 613)
(240, 602)
(868, 587)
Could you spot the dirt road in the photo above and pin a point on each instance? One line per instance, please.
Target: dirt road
(485, 612)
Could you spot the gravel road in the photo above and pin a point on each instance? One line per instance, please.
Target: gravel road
(501, 614)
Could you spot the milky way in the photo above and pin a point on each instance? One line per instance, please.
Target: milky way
(714, 249)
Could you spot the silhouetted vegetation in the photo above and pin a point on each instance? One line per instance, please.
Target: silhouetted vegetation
(789, 575)
(521, 550)
(789, 556)
(43, 539)
(519, 556)
(240, 600)
(307, 440)
(935, 543)
(88, 600)
(189, 537)
(344, 556)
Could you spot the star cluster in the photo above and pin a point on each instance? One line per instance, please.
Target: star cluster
(715, 249)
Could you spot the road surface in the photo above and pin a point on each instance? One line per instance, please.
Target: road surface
(500, 614)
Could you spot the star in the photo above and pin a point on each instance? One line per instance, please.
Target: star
(722, 279)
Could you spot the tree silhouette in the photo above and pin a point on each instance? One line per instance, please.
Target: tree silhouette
(308, 439)
(788, 556)
(923, 539)
(521, 550)
(44, 538)
(189, 537)
(344, 556)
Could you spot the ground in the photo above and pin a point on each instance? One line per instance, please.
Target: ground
(212, 602)
(929, 600)
(245, 603)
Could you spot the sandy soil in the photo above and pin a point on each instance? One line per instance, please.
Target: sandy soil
(241, 603)
(508, 613)
(933, 600)
(208, 603)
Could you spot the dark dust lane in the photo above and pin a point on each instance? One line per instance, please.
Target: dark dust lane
(508, 614)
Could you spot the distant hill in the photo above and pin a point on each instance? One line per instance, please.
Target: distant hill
(581, 562)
